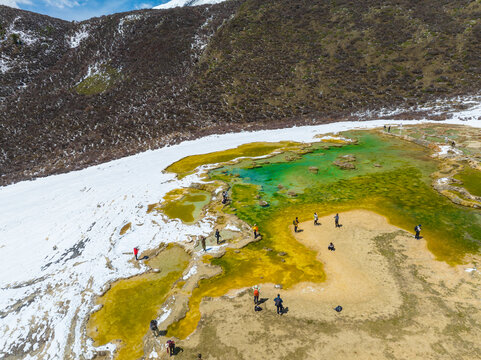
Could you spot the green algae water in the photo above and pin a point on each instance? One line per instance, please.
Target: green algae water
(391, 177)
(131, 303)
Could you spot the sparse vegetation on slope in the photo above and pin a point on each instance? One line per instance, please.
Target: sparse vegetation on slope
(169, 75)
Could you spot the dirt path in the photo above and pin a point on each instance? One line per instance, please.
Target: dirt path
(398, 303)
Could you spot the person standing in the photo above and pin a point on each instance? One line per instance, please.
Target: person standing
(256, 231)
(316, 219)
(256, 294)
(217, 235)
(136, 253)
(154, 328)
(417, 229)
(278, 302)
(170, 347)
(336, 220)
(202, 241)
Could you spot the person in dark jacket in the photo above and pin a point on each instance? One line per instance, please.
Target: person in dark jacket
(217, 235)
(336, 220)
(279, 306)
(417, 229)
(154, 328)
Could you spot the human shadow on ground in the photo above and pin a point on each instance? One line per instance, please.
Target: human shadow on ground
(177, 350)
(284, 310)
(262, 301)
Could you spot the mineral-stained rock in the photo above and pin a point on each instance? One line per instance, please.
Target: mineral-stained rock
(263, 203)
(282, 253)
(313, 169)
(291, 193)
(344, 165)
(348, 157)
(377, 165)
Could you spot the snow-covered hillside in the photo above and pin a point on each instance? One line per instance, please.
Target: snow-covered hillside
(60, 241)
(181, 3)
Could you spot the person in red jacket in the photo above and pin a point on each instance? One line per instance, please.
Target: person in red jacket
(256, 294)
(136, 252)
(170, 347)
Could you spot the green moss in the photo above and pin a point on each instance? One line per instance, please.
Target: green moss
(189, 207)
(471, 179)
(101, 81)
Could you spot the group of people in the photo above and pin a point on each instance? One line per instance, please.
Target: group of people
(277, 301)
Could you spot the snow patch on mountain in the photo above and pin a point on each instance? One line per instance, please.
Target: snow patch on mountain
(181, 3)
(126, 20)
(23, 36)
(4, 64)
(81, 34)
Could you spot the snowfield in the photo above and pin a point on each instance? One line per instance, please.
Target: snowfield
(60, 244)
(180, 3)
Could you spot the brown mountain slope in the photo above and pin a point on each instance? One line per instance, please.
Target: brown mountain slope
(144, 79)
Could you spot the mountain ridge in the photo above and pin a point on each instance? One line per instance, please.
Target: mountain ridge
(119, 84)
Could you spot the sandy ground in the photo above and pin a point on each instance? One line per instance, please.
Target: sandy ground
(398, 303)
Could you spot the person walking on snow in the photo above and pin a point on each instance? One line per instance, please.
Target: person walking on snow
(417, 229)
(202, 241)
(316, 219)
(136, 253)
(217, 235)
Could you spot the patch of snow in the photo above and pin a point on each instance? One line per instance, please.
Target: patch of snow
(60, 243)
(127, 19)
(153, 355)
(4, 64)
(470, 270)
(78, 37)
(232, 227)
(164, 316)
(192, 271)
(181, 3)
(446, 149)
(443, 181)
